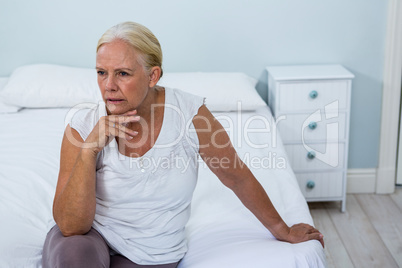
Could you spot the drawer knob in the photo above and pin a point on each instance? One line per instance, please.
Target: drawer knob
(312, 125)
(313, 94)
(310, 184)
(311, 155)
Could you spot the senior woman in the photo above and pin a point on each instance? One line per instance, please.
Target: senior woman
(111, 210)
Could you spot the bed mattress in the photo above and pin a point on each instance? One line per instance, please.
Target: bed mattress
(221, 231)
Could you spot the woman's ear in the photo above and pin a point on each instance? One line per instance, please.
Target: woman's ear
(154, 76)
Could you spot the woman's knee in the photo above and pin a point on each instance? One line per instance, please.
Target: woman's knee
(81, 249)
(89, 250)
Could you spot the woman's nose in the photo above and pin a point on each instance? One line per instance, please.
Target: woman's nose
(110, 83)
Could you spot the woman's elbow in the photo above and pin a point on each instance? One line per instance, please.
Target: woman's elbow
(235, 179)
(71, 228)
(67, 232)
(228, 178)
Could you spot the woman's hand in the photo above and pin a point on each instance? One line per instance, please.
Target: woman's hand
(303, 232)
(109, 127)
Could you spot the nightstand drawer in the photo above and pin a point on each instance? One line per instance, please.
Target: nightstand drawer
(310, 96)
(316, 156)
(308, 127)
(311, 105)
(321, 185)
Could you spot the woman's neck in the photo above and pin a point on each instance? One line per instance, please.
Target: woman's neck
(150, 108)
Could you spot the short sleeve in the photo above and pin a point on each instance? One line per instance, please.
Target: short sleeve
(83, 119)
(189, 105)
(191, 134)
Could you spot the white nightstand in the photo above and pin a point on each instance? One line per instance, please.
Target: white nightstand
(311, 105)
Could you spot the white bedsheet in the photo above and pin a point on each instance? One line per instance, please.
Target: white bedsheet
(221, 232)
(6, 108)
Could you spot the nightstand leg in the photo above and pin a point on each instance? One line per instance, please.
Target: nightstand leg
(343, 205)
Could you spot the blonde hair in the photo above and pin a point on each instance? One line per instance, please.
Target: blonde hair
(138, 36)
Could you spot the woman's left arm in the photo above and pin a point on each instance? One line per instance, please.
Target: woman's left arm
(218, 153)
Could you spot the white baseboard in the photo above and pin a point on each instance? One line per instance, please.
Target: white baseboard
(361, 180)
(386, 180)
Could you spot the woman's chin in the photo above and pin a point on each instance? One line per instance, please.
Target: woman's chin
(115, 109)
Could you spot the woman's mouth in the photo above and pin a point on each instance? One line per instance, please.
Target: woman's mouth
(115, 101)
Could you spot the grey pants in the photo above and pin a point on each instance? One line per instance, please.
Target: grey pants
(86, 251)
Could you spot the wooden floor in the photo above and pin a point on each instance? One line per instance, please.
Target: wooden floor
(368, 234)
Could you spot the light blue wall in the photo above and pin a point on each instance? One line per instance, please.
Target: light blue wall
(217, 35)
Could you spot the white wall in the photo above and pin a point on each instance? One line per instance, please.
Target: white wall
(218, 35)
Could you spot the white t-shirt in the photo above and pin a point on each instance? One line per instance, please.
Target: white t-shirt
(143, 204)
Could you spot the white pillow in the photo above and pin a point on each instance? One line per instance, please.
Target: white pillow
(46, 85)
(223, 91)
(5, 108)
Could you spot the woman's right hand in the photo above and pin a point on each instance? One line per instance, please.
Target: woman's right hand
(109, 127)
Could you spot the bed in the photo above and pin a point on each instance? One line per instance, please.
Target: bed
(35, 104)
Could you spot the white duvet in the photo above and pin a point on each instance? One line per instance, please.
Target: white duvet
(221, 231)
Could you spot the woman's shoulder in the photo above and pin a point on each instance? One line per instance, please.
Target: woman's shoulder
(86, 111)
(84, 117)
(183, 99)
(182, 93)
(182, 106)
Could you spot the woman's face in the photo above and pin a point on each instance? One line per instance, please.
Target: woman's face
(122, 79)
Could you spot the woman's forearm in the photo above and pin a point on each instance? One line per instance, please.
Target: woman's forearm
(74, 208)
(254, 197)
